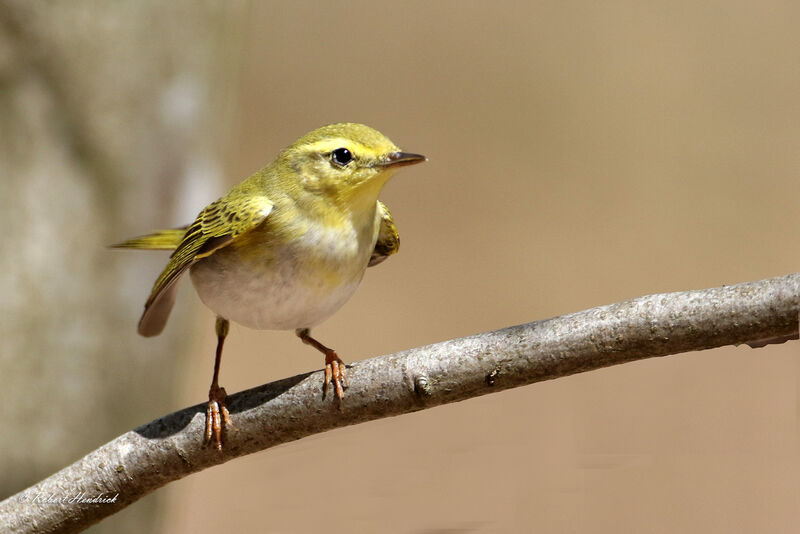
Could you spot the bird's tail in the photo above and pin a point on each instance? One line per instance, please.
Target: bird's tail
(159, 240)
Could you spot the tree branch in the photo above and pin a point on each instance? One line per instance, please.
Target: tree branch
(171, 448)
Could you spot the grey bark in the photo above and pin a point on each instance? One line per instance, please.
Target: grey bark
(171, 447)
(97, 116)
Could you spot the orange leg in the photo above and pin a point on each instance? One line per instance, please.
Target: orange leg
(217, 415)
(334, 366)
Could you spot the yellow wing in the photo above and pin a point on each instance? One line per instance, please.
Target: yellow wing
(388, 238)
(216, 226)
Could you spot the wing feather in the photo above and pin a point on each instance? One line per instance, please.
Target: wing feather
(215, 227)
(388, 238)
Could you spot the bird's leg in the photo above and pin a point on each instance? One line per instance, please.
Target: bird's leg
(217, 415)
(334, 366)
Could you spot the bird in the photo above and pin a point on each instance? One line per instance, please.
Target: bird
(285, 248)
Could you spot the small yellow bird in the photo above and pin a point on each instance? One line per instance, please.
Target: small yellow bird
(286, 248)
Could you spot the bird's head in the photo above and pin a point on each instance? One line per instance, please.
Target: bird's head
(344, 162)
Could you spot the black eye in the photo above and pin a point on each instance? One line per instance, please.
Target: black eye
(341, 156)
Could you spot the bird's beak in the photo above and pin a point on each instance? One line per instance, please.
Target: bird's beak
(401, 159)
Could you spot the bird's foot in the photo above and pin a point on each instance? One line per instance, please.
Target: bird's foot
(217, 416)
(334, 374)
(334, 366)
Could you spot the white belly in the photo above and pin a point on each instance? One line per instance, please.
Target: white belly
(298, 286)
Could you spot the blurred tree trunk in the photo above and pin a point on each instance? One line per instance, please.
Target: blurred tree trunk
(112, 114)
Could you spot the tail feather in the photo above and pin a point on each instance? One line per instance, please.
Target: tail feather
(157, 309)
(159, 240)
(156, 312)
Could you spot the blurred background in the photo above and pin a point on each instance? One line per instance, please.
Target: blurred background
(580, 154)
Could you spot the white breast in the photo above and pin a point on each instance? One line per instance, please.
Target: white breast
(297, 286)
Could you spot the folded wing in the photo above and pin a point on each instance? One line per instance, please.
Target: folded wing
(388, 238)
(218, 225)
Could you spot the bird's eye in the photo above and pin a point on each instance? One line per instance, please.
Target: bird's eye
(341, 157)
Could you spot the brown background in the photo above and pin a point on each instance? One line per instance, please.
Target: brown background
(579, 155)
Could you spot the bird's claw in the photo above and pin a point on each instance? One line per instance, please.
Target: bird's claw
(218, 417)
(334, 374)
